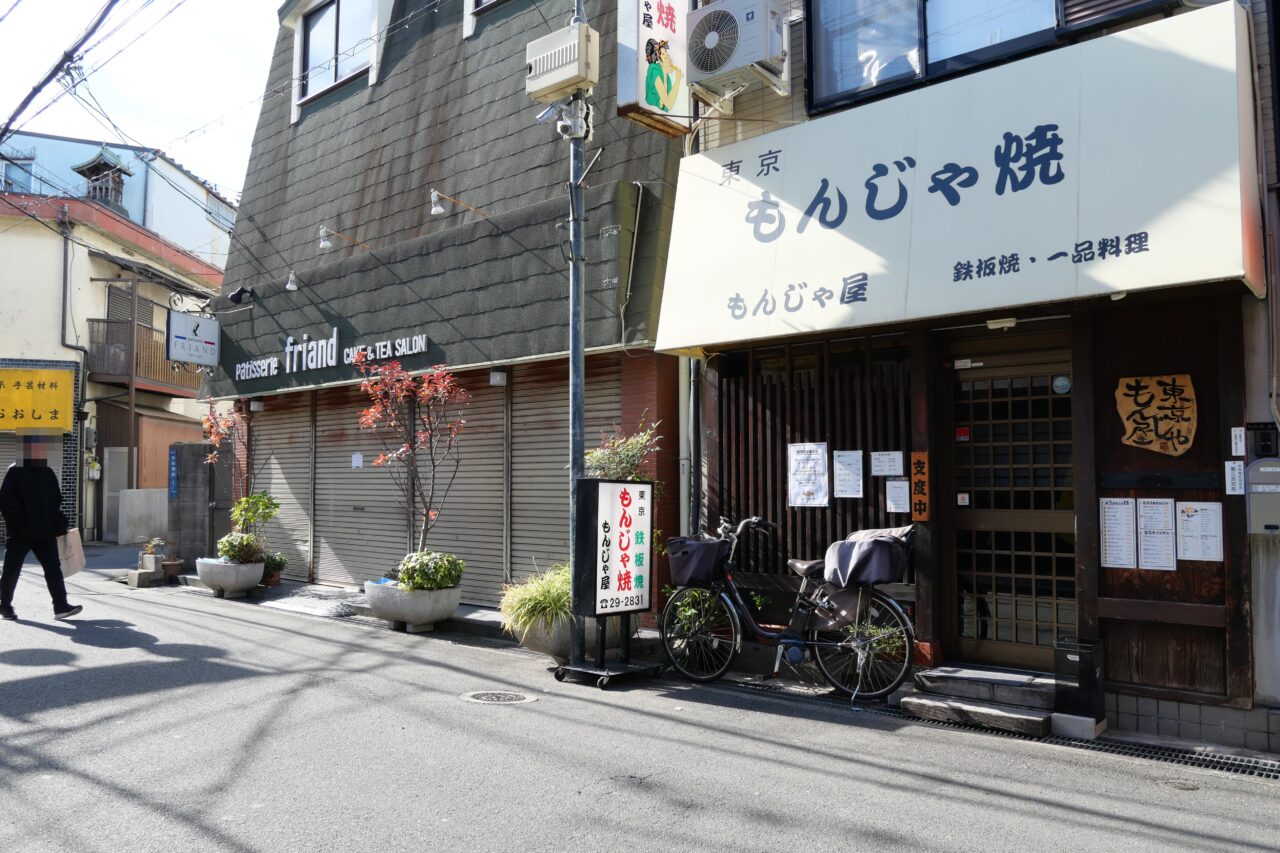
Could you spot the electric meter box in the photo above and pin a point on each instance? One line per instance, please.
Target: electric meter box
(562, 63)
(1262, 485)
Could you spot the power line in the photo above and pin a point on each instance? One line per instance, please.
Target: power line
(10, 9)
(67, 55)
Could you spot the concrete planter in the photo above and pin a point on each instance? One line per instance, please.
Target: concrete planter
(417, 609)
(151, 562)
(555, 642)
(228, 580)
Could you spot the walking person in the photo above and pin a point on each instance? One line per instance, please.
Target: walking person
(31, 503)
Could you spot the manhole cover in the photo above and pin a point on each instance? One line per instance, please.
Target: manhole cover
(498, 697)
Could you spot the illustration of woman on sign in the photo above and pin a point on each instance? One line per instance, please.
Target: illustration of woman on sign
(663, 79)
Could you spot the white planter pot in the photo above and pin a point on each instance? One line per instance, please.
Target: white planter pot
(555, 642)
(228, 580)
(417, 609)
(151, 562)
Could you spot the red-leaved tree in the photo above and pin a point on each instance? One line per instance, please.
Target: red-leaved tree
(419, 420)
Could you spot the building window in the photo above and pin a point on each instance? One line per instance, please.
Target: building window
(859, 45)
(220, 214)
(959, 27)
(336, 43)
(15, 177)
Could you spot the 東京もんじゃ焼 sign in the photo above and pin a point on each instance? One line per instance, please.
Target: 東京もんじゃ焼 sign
(36, 401)
(1157, 412)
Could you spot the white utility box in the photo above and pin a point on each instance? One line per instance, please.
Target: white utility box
(562, 63)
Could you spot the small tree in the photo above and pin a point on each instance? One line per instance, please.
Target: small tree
(418, 418)
(228, 432)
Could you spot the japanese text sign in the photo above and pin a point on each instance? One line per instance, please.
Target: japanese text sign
(1051, 178)
(37, 401)
(652, 64)
(614, 551)
(1158, 412)
(919, 486)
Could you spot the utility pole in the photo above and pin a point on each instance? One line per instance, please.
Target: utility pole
(575, 130)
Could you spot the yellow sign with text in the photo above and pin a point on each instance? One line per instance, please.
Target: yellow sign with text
(37, 401)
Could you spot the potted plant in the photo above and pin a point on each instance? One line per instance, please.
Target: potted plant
(422, 591)
(273, 565)
(418, 418)
(238, 568)
(536, 612)
(151, 557)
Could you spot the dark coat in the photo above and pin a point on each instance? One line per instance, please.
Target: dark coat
(32, 502)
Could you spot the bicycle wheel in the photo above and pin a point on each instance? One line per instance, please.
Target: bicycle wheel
(700, 632)
(870, 657)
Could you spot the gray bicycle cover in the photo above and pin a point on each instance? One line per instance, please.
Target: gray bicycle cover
(869, 557)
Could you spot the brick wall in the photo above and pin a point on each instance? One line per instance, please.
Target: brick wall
(70, 463)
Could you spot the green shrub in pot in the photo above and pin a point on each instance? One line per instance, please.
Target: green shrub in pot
(430, 570)
(241, 548)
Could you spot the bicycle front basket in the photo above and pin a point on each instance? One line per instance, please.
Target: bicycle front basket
(694, 559)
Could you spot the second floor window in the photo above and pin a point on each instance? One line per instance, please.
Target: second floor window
(336, 43)
(15, 177)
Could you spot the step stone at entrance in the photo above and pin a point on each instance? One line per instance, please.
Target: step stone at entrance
(1003, 686)
(1008, 718)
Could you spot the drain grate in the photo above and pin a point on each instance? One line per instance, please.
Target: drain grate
(1243, 765)
(498, 697)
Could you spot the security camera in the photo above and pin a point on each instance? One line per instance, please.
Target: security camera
(547, 114)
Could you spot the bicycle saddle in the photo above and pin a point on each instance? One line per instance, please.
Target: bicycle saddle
(807, 568)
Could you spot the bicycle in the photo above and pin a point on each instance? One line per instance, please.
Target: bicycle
(860, 638)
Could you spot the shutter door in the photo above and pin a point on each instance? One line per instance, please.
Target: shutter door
(540, 454)
(471, 525)
(9, 446)
(361, 525)
(282, 467)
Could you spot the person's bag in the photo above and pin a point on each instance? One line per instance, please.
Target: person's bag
(70, 552)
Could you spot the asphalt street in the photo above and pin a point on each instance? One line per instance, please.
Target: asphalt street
(169, 720)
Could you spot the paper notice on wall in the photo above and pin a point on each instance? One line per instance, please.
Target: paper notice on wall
(1235, 476)
(1155, 514)
(848, 473)
(1200, 531)
(807, 474)
(886, 464)
(1155, 550)
(1237, 441)
(357, 460)
(1119, 546)
(897, 495)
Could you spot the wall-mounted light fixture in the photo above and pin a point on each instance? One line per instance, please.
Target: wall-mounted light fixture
(497, 377)
(1002, 323)
(256, 405)
(326, 233)
(437, 208)
(240, 294)
(1116, 297)
(292, 283)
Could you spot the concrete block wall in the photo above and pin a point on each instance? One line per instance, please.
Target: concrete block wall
(1257, 729)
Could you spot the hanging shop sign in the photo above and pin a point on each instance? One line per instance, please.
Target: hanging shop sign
(1158, 413)
(192, 339)
(1042, 180)
(304, 353)
(613, 557)
(652, 63)
(919, 485)
(37, 401)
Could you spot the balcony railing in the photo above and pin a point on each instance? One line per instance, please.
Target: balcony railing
(109, 351)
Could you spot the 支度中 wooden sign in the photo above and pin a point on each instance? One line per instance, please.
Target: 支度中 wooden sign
(919, 486)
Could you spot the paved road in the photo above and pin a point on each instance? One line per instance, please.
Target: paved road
(168, 720)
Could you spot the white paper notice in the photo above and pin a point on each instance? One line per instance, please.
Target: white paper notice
(1200, 531)
(1235, 476)
(1155, 514)
(807, 474)
(1155, 550)
(897, 495)
(357, 460)
(1118, 535)
(886, 464)
(848, 473)
(1237, 441)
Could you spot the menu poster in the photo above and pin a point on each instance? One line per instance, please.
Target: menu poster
(897, 495)
(1119, 548)
(848, 473)
(886, 464)
(807, 474)
(1200, 531)
(1156, 535)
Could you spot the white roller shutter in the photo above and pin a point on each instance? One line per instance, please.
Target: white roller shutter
(361, 525)
(540, 454)
(281, 466)
(472, 520)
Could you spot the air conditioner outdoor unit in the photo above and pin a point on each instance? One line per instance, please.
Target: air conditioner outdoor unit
(733, 43)
(562, 63)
